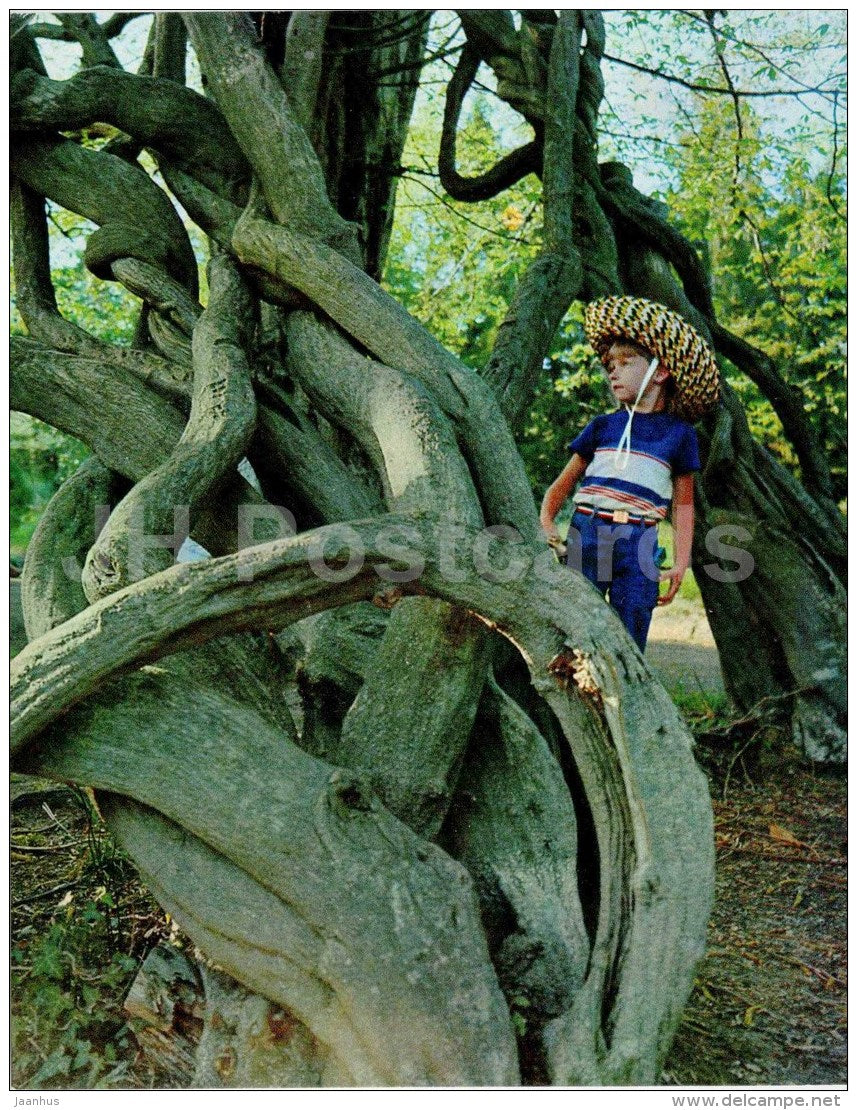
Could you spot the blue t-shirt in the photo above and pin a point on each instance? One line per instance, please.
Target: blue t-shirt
(662, 446)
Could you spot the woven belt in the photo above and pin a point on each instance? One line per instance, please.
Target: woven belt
(617, 516)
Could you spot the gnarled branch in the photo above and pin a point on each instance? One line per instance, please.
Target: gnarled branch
(85, 29)
(505, 173)
(221, 422)
(51, 590)
(553, 280)
(386, 329)
(631, 749)
(255, 106)
(128, 428)
(787, 403)
(160, 113)
(303, 61)
(132, 429)
(310, 920)
(512, 822)
(34, 291)
(136, 218)
(408, 738)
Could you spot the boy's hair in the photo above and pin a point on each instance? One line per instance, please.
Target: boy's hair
(631, 345)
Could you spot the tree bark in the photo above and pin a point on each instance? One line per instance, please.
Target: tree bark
(219, 428)
(627, 739)
(513, 824)
(372, 63)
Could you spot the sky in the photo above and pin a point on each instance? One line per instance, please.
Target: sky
(774, 61)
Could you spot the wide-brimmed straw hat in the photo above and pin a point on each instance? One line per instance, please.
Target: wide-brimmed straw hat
(658, 329)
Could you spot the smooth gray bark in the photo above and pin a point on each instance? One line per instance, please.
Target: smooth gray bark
(512, 822)
(219, 428)
(633, 752)
(336, 910)
(257, 109)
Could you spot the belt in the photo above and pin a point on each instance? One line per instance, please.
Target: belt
(616, 516)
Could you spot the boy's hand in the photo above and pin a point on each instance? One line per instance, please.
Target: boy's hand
(674, 577)
(558, 546)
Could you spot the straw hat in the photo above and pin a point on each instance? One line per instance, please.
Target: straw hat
(677, 345)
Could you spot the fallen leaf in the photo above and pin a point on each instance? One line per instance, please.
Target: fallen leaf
(777, 832)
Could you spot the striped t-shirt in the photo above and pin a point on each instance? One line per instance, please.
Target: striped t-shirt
(662, 446)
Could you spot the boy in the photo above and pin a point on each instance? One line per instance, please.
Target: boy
(637, 462)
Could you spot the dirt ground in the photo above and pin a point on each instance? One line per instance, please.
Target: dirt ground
(769, 1006)
(681, 648)
(769, 1003)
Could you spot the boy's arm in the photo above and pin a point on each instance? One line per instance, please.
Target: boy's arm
(557, 494)
(682, 521)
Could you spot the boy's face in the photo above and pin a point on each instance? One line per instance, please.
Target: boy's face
(626, 367)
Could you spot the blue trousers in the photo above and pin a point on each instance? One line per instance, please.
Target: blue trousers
(623, 562)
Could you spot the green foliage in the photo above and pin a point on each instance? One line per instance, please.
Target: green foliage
(702, 710)
(455, 266)
(799, 53)
(103, 308)
(67, 1025)
(776, 239)
(40, 460)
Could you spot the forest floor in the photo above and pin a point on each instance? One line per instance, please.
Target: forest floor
(768, 1007)
(769, 1004)
(681, 649)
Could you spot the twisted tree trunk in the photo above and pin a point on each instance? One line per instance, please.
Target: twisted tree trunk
(363, 929)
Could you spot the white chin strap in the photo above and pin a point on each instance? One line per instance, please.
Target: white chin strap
(623, 451)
